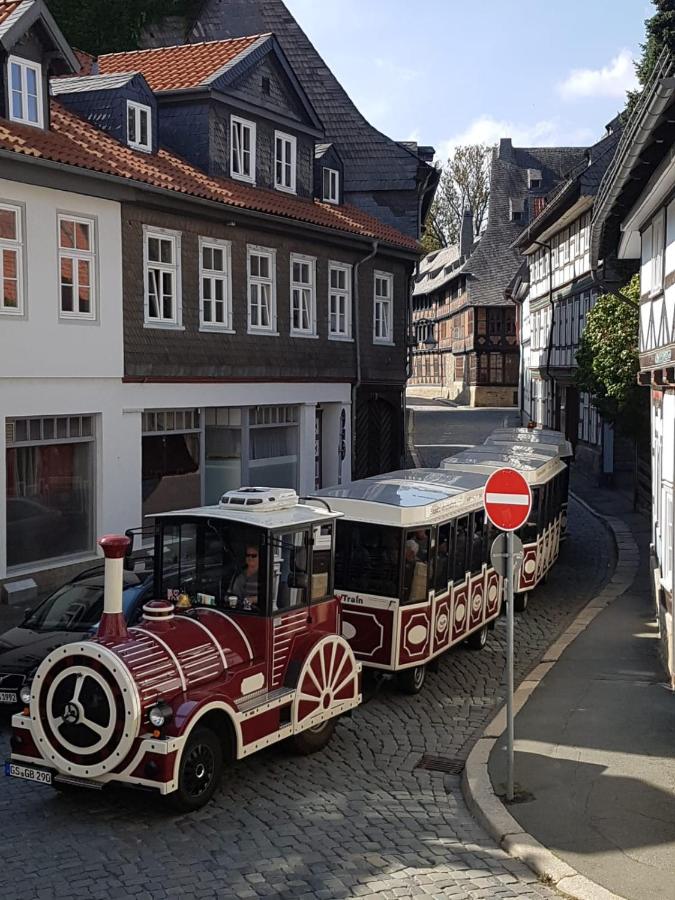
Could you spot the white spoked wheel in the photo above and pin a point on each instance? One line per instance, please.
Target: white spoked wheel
(328, 683)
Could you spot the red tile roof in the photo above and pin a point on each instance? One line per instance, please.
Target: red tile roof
(7, 7)
(74, 142)
(86, 61)
(183, 66)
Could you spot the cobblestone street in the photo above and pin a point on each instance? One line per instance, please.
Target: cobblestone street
(358, 819)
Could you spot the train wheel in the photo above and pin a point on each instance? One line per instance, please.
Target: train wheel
(199, 771)
(329, 681)
(313, 739)
(520, 601)
(478, 639)
(411, 681)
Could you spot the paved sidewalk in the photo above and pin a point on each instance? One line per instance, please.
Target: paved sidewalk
(595, 742)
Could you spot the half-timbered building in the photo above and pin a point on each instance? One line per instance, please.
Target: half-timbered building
(555, 294)
(464, 324)
(634, 227)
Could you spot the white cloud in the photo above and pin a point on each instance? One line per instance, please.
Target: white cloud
(544, 133)
(395, 73)
(612, 80)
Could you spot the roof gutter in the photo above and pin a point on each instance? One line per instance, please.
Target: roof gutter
(222, 206)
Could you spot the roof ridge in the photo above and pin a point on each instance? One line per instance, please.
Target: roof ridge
(150, 50)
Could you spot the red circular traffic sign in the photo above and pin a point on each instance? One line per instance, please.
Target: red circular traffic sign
(508, 499)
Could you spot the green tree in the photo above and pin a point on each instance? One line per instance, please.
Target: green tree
(465, 183)
(608, 360)
(108, 26)
(659, 34)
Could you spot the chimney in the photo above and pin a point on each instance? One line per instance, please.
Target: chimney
(505, 149)
(113, 625)
(466, 233)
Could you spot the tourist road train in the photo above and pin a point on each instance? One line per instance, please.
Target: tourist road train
(268, 607)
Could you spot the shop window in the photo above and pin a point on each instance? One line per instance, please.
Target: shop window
(222, 452)
(273, 446)
(170, 460)
(50, 488)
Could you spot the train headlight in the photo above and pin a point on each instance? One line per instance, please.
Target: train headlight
(160, 714)
(24, 694)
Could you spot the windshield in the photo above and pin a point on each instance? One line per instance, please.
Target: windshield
(368, 558)
(74, 607)
(212, 563)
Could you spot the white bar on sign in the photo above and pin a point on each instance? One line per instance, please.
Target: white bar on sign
(513, 499)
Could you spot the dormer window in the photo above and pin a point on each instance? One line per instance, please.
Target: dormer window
(139, 126)
(285, 154)
(516, 209)
(242, 149)
(533, 179)
(25, 91)
(331, 185)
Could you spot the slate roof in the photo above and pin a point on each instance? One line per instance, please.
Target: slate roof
(583, 181)
(84, 83)
(495, 260)
(182, 66)
(71, 141)
(373, 161)
(436, 269)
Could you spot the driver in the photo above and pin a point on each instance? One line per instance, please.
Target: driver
(245, 585)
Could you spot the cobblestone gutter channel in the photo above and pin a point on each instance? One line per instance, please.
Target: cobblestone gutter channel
(359, 819)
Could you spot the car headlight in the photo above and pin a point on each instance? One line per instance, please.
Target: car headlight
(160, 714)
(24, 694)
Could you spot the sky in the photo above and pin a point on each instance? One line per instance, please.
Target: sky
(449, 72)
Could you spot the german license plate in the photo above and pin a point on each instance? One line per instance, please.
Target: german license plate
(8, 697)
(28, 772)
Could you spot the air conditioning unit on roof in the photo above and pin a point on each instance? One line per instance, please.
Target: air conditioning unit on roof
(260, 499)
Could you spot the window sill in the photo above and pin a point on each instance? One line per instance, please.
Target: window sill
(243, 178)
(216, 329)
(78, 320)
(13, 313)
(304, 334)
(333, 202)
(27, 122)
(381, 343)
(344, 338)
(262, 331)
(285, 190)
(164, 326)
(139, 147)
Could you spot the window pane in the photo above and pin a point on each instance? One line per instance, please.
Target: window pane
(82, 237)
(31, 81)
(166, 248)
(264, 267)
(143, 120)
(32, 108)
(207, 257)
(153, 249)
(254, 264)
(67, 232)
(131, 125)
(171, 474)
(8, 224)
(49, 501)
(16, 77)
(218, 259)
(84, 272)
(84, 294)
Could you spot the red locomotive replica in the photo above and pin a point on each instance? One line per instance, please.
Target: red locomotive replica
(268, 608)
(244, 650)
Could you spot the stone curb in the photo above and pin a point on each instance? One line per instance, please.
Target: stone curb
(477, 788)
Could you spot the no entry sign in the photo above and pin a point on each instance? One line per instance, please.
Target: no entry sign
(507, 499)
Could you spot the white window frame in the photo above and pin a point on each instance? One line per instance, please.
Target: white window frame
(378, 301)
(289, 145)
(37, 68)
(137, 109)
(164, 234)
(345, 335)
(225, 276)
(244, 123)
(300, 286)
(271, 254)
(72, 253)
(333, 194)
(14, 246)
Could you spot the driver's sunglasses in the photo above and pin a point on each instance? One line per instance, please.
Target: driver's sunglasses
(252, 555)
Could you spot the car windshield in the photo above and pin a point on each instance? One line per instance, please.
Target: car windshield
(74, 607)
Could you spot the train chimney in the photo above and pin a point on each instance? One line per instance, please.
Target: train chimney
(112, 624)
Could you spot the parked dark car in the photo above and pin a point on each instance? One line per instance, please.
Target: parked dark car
(69, 614)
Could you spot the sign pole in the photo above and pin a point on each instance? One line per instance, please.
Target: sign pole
(509, 663)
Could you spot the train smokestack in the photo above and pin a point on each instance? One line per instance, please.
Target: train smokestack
(112, 624)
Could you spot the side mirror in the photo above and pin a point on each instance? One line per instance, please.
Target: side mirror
(27, 613)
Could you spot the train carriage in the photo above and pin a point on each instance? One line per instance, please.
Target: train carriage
(547, 476)
(241, 649)
(412, 568)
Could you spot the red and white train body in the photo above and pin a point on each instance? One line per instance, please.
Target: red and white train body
(229, 660)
